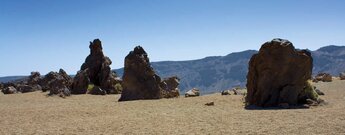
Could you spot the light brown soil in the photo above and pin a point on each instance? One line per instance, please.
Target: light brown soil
(34, 113)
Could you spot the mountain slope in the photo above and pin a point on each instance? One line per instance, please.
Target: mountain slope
(213, 74)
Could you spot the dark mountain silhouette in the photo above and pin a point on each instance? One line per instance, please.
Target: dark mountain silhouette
(216, 73)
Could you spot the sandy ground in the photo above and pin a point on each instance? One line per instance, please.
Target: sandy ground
(34, 113)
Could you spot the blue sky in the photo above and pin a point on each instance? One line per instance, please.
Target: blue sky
(45, 35)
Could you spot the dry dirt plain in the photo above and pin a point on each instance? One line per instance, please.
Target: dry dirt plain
(35, 113)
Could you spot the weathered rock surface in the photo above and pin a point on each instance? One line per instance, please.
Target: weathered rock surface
(193, 93)
(139, 79)
(25, 88)
(278, 74)
(57, 83)
(80, 82)
(324, 77)
(9, 90)
(170, 87)
(342, 76)
(98, 72)
(34, 78)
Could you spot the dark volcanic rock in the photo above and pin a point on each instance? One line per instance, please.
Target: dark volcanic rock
(278, 74)
(9, 90)
(59, 87)
(80, 82)
(34, 78)
(170, 87)
(57, 83)
(25, 88)
(98, 71)
(139, 79)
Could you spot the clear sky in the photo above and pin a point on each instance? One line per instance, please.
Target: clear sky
(45, 35)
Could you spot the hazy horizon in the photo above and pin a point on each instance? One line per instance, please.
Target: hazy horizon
(44, 36)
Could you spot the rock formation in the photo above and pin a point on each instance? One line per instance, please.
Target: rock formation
(139, 79)
(170, 87)
(97, 70)
(80, 82)
(34, 78)
(278, 74)
(57, 83)
(193, 93)
(324, 77)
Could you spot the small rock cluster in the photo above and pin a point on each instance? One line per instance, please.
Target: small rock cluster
(324, 77)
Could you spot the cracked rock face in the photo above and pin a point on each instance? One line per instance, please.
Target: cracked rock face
(97, 70)
(278, 74)
(139, 79)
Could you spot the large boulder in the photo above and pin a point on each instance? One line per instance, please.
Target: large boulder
(324, 77)
(342, 76)
(98, 70)
(139, 79)
(57, 83)
(80, 82)
(59, 87)
(9, 90)
(278, 74)
(170, 87)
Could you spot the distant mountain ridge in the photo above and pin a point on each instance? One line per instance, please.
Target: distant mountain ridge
(216, 73)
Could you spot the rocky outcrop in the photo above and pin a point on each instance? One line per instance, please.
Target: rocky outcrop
(139, 79)
(324, 77)
(9, 90)
(193, 93)
(342, 76)
(57, 83)
(34, 78)
(170, 87)
(80, 82)
(98, 71)
(278, 74)
(25, 88)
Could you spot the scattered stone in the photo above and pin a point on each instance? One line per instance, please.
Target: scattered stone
(193, 93)
(278, 74)
(97, 91)
(139, 79)
(170, 87)
(342, 76)
(9, 90)
(324, 77)
(226, 92)
(98, 71)
(210, 104)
